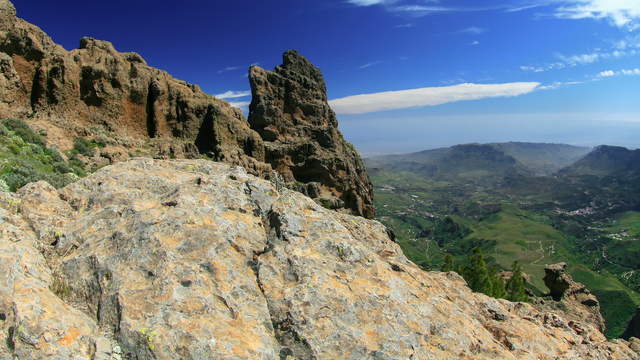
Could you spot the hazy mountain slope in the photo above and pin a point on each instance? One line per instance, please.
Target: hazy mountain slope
(606, 160)
(468, 162)
(542, 158)
(535, 158)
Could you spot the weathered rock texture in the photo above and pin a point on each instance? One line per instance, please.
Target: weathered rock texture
(96, 91)
(191, 259)
(289, 110)
(578, 302)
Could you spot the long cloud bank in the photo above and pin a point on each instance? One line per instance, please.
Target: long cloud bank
(429, 96)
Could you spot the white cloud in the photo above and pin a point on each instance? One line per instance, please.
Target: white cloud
(430, 96)
(473, 30)
(559, 84)
(240, 104)
(624, 72)
(367, 2)
(229, 68)
(621, 13)
(475, 43)
(620, 49)
(369, 64)
(233, 94)
(582, 58)
(533, 68)
(607, 73)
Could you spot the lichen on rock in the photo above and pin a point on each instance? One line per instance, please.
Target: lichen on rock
(193, 259)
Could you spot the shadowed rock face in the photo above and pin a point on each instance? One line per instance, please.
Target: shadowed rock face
(193, 259)
(579, 303)
(289, 110)
(633, 329)
(96, 90)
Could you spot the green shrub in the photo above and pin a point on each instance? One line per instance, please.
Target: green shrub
(26, 159)
(84, 147)
(21, 129)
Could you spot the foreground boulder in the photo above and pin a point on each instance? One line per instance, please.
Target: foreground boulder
(133, 109)
(191, 259)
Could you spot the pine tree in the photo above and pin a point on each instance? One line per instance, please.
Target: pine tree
(498, 289)
(448, 264)
(477, 273)
(515, 285)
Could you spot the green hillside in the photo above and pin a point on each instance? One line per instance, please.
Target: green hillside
(591, 222)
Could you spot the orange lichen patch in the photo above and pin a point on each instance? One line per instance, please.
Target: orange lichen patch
(207, 221)
(70, 336)
(203, 198)
(169, 241)
(192, 306)
(144, 205)
(247, 341)
(333, 283)
(235, 216)
(221, 273)
(371, 340)
(365, 286)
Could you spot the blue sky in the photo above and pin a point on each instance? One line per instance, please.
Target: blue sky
(432, 72)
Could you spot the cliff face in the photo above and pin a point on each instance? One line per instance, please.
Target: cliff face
(69, 92)
(191, 259)
(289, 110)
(136, 109)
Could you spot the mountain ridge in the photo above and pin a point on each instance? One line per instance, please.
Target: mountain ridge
(539, 158)
(96, 93)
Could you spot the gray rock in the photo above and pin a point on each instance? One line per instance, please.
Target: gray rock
(200, 260)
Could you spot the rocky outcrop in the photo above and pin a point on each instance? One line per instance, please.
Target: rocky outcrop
(191, 259)
(97, 87)
(289, 110)
(97, 92)
(578, 302)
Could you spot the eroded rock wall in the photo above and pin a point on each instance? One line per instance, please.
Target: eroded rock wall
(138, 110)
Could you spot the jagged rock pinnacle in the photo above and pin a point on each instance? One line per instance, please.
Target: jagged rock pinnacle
(289, 110)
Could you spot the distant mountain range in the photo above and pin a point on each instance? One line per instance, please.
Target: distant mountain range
(606, 160)
(484, 162)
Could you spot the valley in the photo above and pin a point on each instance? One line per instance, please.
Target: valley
(538, 204)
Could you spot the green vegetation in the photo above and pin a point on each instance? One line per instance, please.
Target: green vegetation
(440, 214)
(480, 278)
(85, 147)
(484, 278)
(515, 288)
(25, 158)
